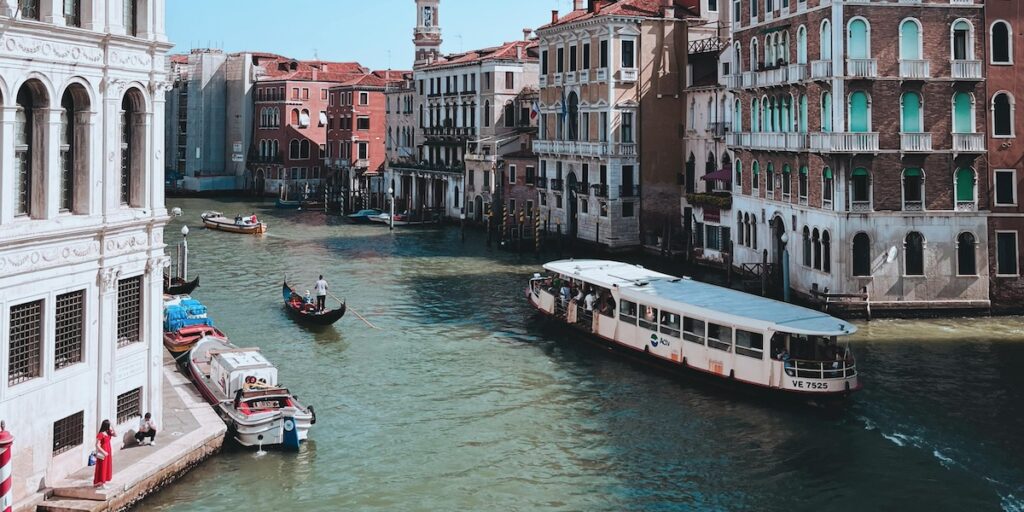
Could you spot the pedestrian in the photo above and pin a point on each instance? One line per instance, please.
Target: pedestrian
(147, 428)
(321, 294)
(104, 459)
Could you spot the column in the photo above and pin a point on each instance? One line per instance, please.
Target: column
(7, 7)
(52, 11)
(110, 153)
(115, 16)
(7, 171)
(153, 304)
(89, 188)
(159, 153)
(51, 164)
(106, 345)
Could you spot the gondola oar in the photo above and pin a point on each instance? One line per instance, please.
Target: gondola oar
(367, 322)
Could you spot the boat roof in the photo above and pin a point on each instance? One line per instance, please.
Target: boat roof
(707, 300)
(239, 359)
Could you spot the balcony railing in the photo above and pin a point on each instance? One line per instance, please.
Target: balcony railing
(584, 76)
(962, 2)
(915, 142)
(543, 79)
(602, 74)
(600, 190)
(775, 76)
(966, 69)
(629, 190)
(748, 79)
(969, 142)
(797, 72)
(821, 69)
(796, 141)
(910, 68)
(768, 140)
(718, 129)
(629, 74)
(557, 184)
(558, 79)
(570, 77)
(844, 142)
(733, 81)
(542, 182)
(860, 206)
(584, 149)
(966, 206)
(862, 68)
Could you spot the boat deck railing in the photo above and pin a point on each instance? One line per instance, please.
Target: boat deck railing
(822, 370)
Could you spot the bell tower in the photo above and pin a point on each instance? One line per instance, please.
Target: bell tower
(427, 35)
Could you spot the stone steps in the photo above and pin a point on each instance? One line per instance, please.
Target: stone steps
(71, 505)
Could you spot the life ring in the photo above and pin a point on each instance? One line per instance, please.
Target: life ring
(250, 380)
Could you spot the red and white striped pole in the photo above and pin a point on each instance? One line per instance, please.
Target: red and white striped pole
(6, 483)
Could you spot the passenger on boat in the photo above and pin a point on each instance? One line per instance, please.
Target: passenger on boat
(588, 300)
(565, 294)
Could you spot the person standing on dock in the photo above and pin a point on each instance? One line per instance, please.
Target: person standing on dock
(321, 293)
(104, 460)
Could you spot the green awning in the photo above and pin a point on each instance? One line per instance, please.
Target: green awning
(785, 169)
(860, 171)
(912, 172)
(803, 170)
(827, 173)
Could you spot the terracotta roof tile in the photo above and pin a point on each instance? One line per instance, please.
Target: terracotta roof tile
(506, 51)
(642, 8)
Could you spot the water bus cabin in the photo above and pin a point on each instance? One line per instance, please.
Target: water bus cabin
(751, 340)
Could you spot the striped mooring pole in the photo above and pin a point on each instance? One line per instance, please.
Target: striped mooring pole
(536, 230)
(6, 482)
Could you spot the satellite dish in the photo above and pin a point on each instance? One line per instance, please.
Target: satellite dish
(891, 255)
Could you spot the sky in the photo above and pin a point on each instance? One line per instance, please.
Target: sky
(376, 33)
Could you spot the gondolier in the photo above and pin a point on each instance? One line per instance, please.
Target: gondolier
(321, 294)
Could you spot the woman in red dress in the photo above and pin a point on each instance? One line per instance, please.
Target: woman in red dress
(104, 460)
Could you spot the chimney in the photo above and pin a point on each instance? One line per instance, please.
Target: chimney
(554, 15)
(527, 33)
(592, 6)
(667, 9)
(519, 52)
(577, 4)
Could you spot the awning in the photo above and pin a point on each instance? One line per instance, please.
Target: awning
(719, 175)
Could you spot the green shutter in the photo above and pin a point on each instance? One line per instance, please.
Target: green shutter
(910, 41)
(785, 169)
(911, 172)
(803, 113)
(826, 112)
(860, 171)
(964, 184)
(755, 168)
(911, 104)
(859, 112)
(803, 170)
(858, 40)
(962, 119)
(828, 173)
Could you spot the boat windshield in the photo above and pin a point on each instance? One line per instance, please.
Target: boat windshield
(815, 357)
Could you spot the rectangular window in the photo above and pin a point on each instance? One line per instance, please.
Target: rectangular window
(362, 123)
(586, 55)
(129, 311)
(295, 93)
(560, 60)
(628, 57)
(131, 17)
(323, 94)
(603, 128)
(604, 53)
(648, 318)
(69, 329)
(712, 5)
(713, 241)
(129, 405)
(1006, 187)
(26, 345)
(693, 330)
(584, 204)
(68, 432)
(558, 201)
(749, 344)
(1006, 253)
(364, 98)
(544, 62)
(73, 13)
(363, 149)
(670, 323)
(720, 337)
(627, 209)
(529, 208)
(753, 8)
(305, 93)
(512, 174)
(627, 312)
(572, 58)
(627, 127)
(512, 207)
(585, 127)
(29, 9)
(510, 80)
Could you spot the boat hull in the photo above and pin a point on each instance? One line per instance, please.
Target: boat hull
(231, 227)
(182, 288)
(326, 318)
(183, 340)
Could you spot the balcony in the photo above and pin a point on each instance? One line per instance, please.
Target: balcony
(584, 149)
(797, 72)
(844, 142)
(629, 74)
(557, 185)
(771, 141)
(796, 142)
(862, 68)
(966, 206)
(733, 81)
(968, 142)
(558, 79)
(542, 182)
(860, 206)
(600, 190)
(602, 75)
(961, 2)
(913, 206)
(570, 77)
(585, 76)
(821, 69)
(720, 200)
(362, 163)
(772, 76)
(915, 69)
(718, 129)
(543, 80)
(915, 142)
(965, 69)
(748, 79)
(629, 190)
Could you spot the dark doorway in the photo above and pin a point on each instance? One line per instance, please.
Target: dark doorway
(571, 206)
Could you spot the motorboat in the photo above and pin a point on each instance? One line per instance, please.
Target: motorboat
(364, 216)
(247, 224)
(185, 338)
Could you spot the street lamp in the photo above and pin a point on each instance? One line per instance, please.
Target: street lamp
(784, 239)
(184, 252)
(391, 219)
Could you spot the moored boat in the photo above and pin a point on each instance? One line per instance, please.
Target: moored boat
(303, 311)
(685, 324)
(186, 320)
(184, 339)
(242, 385)
(249, 224)
(179, 286)
(364, 216)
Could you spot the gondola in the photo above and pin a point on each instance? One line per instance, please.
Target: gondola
(179, 286)
(299, 310)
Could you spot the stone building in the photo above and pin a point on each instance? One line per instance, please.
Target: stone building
(400, 144)
(290, 122)
(1003, 22)
(858, 133)
(459, 98)
(612, 98)
(209, 119)
(81, 226)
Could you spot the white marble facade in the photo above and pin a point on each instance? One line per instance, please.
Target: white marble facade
(81, 110)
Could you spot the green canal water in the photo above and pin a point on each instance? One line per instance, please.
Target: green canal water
(462, 401)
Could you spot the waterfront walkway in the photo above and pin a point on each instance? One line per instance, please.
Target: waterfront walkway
(190, 432)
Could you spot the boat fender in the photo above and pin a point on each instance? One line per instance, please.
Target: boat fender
(647, 348)
(250, 380)
(312, 411)
(732, 374)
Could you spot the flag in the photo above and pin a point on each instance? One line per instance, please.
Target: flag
(535, 110)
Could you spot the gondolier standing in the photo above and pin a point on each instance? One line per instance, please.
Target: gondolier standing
(321, 294)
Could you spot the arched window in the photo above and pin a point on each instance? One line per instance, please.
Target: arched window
(275, 149)
(826, 252)
(858, 39)
(737, 117)
(304, 149)
(772, 117)
(295, 117)
(769, 177)
(859, 112)
(749, 228)
(963, 113)
(816, 247)
(801, 45)
(263, 148)
(787, 181)
(802, 183)
(962, 40)
(754, 63)
(913, 189)
(910, 40)
(739, 227)
(754, 170)
(913, 247)
(806, 246)
(911, 118)
(861, 255)
(1002, 114)
(826, 111)
(304, 119)
(966, 196)
(803, 114)
(487, 113)
(769, 51)
(738, 57)
(755, 112)
(455, 198)
(827, 187)
(825, 41)
(739, 175)
(766, 114)
(133, 140)
(787, 114)
(74, 150)
(966, 260)
(1002, 43)
(860, 190)
(29, 153)
(293, 149)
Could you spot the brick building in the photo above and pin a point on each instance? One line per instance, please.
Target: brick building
(1006, 157)
(356, 138)
(290, 128)
(612, 97)
(858, 134)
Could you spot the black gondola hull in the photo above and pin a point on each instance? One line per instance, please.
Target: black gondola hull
(180, 288)
(326, 318)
